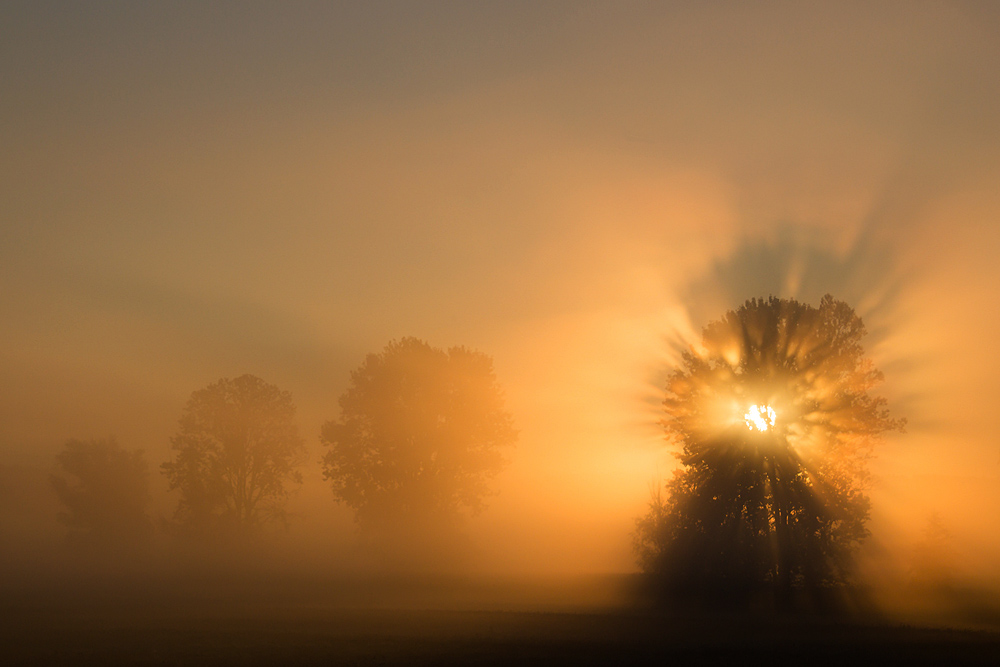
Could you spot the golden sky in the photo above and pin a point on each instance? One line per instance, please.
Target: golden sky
(195, 191)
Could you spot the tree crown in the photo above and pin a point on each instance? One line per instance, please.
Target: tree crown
(237, 450)
(421, 431)
(104, 488)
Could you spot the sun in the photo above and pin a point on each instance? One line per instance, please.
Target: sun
(760, 418)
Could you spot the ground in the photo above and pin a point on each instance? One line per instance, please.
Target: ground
(200, 622)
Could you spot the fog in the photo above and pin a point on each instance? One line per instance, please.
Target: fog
(192, 193)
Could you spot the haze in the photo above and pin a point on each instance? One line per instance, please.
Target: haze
(196, 192)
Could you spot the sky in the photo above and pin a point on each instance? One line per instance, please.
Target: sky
(192, 191)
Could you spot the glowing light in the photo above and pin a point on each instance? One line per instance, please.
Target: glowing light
(760, 417)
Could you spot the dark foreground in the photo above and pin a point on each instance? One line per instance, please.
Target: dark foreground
(132, 628)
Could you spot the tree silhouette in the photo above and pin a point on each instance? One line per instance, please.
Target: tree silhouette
(934, 556)
(420, 434)
(237, 451)
(105, 492)
(775, 424)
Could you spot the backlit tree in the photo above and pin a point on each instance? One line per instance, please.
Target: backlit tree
(774, 424)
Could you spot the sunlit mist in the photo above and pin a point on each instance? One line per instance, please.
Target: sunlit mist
(347, 301)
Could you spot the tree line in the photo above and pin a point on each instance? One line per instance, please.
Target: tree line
(420, 433)
(771, 416)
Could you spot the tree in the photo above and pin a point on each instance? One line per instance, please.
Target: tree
(105, 490)
(934, 556)
(237, 451)
(420, 434)
(774, 424)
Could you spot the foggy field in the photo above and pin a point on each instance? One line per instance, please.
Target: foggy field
(564, 331)
(197, 621)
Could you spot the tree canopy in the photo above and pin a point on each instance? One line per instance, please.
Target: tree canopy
(774, 424)
(105, 491)
(420, 434)
(236, 454)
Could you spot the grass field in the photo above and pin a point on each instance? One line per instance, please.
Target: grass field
(504, 623)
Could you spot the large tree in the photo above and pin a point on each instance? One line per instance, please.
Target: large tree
(236, 454)
(105, 492)
(420, 434)
(775, 423)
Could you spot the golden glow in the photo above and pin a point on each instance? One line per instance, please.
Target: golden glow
(760, 417)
